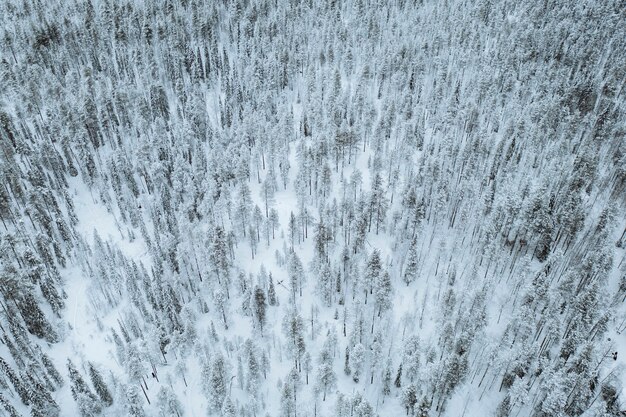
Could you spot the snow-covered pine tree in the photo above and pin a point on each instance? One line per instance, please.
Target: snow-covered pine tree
(168, 404)
(216, 386)
(272, 299)
(88, 404)
(99, 385)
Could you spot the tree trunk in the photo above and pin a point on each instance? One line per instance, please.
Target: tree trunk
(144, 393)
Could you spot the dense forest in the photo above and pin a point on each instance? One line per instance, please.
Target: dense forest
(242, 208)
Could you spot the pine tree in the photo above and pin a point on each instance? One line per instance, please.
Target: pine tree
(257, 217)
(326, 378)
(293, 329)
(221, 304)
(321, 242)
(240, 375)
(254, 368)
(410, 271)
(372, 273)
(259, 307)
(398, 380)
(378, 204)
(357, 359)
(364, 409)
(383, 292)
(287, 403)
(218, 256)
(293, 229)
(265, 364)
(307, 366)
(346, 365)
(424, 408)
(284, 169)
(11, 411)
(216, 384)
(271, 292)
(133, 402)
(17, 383)
(325, 284)
(409, 398)
(504, 408)
(456, 370)
(252, 239)
(88, 403)
(268, 190)
(411, 357)
(293, 380)
(274, 221)
(376, 351)
(42, 402)
(99, 385)
(296, 275)
(168, 404)
(135, 367)
(35, 319)
(243, 207)
(267, 229)
(51, 369)
(228, 408)
(387, 375)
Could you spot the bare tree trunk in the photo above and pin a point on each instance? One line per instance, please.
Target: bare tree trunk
(144, 393)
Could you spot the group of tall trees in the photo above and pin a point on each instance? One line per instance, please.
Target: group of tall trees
(348, 208)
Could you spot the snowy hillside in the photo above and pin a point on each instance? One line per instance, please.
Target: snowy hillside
(312, 209)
